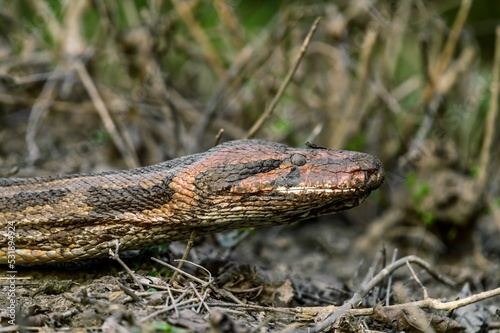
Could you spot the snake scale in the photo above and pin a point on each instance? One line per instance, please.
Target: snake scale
(244, 183)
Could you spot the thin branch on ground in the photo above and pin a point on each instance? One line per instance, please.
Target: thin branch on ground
(188, 297)
(115, 256)
(310, 313)
(424, 289)
(389, 281)
(130, 293)
(192, 277)
(436, 304)
(358, 295)
(189, 246)
(200, 297)
(165, 310)
(171, 296)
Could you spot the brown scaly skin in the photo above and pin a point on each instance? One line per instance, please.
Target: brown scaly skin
(236, 184)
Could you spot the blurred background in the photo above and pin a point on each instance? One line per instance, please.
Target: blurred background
(88, 86)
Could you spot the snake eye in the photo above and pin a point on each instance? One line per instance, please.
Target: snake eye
(298, 160)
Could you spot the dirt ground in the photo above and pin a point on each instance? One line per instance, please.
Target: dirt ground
(89, 86)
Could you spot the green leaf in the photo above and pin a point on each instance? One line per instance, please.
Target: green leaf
(357, 142)
(428, 218)
(166, 327)
(411, 180)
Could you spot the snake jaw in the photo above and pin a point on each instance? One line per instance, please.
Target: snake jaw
(314, 190)
(325, 201)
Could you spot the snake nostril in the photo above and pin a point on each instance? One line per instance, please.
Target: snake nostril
(298, 159)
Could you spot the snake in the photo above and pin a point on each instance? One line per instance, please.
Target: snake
(236, 184)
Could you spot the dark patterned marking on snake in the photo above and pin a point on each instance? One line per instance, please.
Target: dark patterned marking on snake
(132, 199)
(20, 201)
(224, 177)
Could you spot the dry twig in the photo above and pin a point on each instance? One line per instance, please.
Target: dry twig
(365, 289)
(269, 110)
(194, 278)
(127, 152)
(433, 94)
(491, 119)
(115, 256)
(185, 12)
(189, 246)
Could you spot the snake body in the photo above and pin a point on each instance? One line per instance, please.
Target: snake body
(244, 183)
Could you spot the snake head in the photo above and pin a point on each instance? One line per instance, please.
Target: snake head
(278, 178)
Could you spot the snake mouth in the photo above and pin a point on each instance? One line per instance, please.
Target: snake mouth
(326, 200)
(362, 183)
(315, 190)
